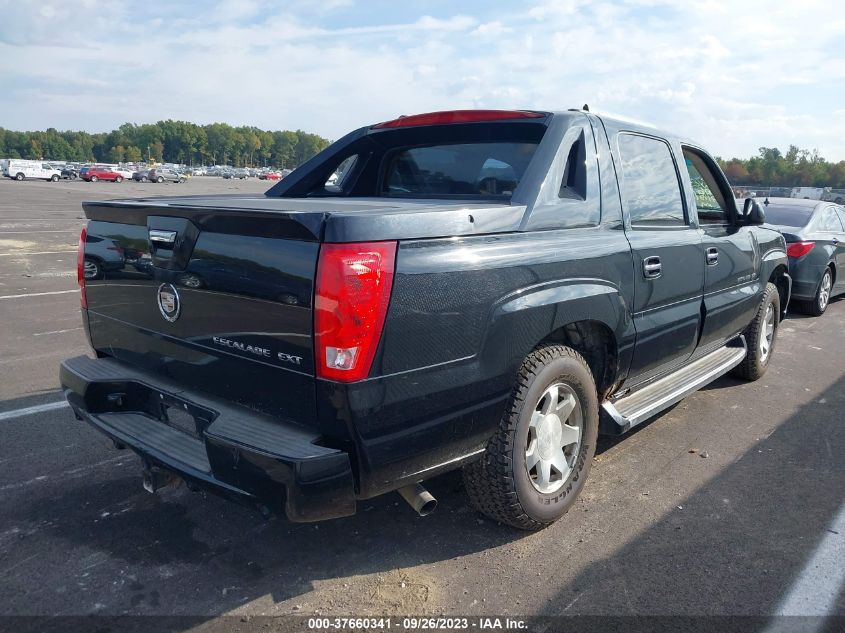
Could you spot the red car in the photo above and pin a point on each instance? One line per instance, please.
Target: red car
(93, 174)
(270, 176)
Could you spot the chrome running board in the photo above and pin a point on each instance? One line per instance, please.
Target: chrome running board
(618, 416)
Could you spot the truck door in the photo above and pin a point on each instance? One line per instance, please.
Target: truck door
(839, 240)
(667, 252)
(732, 286)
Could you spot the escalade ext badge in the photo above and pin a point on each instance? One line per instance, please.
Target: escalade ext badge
(169, 303)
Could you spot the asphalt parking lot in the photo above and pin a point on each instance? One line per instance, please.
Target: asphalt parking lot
(732, 502)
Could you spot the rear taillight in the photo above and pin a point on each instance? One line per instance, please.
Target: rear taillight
(350, 302)
(80, 268)
(799, 249)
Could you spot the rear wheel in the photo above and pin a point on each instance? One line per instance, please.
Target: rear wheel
(20, 177)
(535, 466)
(819, 304)
(760, 336)
(118, 179)
(94, 179)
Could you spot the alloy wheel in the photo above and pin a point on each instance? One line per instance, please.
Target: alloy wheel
(554, 438)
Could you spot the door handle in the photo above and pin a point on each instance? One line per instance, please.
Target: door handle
(712, 256)
(652, 268)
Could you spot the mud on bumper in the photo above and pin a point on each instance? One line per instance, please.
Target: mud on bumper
(210, 443)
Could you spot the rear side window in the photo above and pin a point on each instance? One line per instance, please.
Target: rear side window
(480, 169)
(651, 193)
(829, 220)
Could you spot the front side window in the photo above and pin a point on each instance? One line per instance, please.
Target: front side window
(709, 198)
(651, 193)
(480, 169)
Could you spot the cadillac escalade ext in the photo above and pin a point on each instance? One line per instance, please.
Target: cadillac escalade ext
(485, 290)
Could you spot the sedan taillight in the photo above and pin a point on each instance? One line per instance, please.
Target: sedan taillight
(799, 249)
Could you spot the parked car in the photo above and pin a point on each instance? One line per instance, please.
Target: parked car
(272, 175)
(164, 175)
(815, 240)
(485, 290)
(142, 175)
(93, 174)
(69, 173)
(19, 169)
(102, 255)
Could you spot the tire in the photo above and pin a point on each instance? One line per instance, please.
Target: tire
(119, 179)
(20, 177)
(93, 269)
(159, 180)
(500, 484)
(94, 179)
(763, 327)
(54, 178)
(145, 179)
(819, 304)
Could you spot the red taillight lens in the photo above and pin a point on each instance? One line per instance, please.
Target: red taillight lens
(80, 268)
(799, 249)
(458, 116)
(350, 303)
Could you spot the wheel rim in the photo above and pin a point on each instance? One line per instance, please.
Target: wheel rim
(90, 269)
(554, 438)
(767, 336)
(824, 291)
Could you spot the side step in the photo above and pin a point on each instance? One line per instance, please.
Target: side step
(620, 415)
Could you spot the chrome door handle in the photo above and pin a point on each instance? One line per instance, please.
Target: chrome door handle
(652, 268)
(165, 237)
(712, 256)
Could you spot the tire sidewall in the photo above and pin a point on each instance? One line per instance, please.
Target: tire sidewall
(541, 507)
(773, 299)
(818, 308)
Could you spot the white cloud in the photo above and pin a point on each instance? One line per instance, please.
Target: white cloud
(760, 73)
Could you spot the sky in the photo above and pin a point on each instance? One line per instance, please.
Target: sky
(734, 76)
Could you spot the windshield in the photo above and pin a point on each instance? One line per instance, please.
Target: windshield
(785, 215)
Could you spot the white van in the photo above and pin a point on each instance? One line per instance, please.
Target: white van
(23, 169)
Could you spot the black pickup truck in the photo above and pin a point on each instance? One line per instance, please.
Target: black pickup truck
(485, 290)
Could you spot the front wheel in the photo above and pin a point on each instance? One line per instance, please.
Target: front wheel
(54, 178)
(537, 462)
(159, 180)
(760, 336)
(93, 269)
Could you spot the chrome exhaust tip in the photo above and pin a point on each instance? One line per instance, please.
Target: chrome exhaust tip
(419, 499)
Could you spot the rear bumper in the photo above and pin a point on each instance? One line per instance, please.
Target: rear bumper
(230, 450)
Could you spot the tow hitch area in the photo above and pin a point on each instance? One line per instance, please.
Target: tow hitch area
(155, 478)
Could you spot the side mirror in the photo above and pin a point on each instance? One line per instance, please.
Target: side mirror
(752, 212)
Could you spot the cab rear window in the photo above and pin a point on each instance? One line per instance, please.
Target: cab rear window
(482, 169)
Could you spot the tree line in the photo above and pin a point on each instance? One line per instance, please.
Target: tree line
(796, 168)
(167, 141)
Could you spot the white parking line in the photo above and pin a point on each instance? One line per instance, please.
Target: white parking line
(73, 329)
(2, 232)
(38, 294)
(25, 254)
(39, 408)
(817, 588)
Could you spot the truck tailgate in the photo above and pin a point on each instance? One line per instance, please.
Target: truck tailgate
(218, 299)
